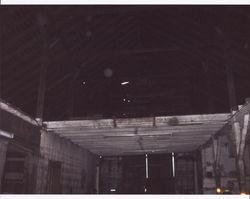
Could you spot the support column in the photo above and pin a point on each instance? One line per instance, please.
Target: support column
(97, 178)
(240, 122)
(210, 98)
(240, 139)
(227, 60)
(216, 166)
(196, 187)
(231, 86)
(42, 22)
(71, 92)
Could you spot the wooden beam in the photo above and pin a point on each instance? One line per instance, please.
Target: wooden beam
(6, 134)
(8, 108)
(103, 151)
(243, 136)
(141, 132)
(229, 69)
(42, 22)
(145, 138)
(141, 122)
(71, 93)
(209, 93)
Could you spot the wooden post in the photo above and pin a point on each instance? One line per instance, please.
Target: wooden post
(97, 178)
(42, 22)
(231, 86)
(240, 137)
(196, 187)
(228, 65)
(216, 146)
(71, 92)
(240, 122)
(210, 99)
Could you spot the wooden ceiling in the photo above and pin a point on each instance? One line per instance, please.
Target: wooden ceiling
(174, 57)
(109, 137)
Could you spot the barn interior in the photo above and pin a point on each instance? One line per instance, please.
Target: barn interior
(125, 99)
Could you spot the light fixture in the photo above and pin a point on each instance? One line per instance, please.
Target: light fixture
(83, 83)
(218, 190)
(146, 159)
(242, 193)
(112, 190)
(124, 83)
(173, 164)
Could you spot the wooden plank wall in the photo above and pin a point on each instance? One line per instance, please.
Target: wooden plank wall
(3, 150)
(26, 138)
(78, 165)
(184, 173)
(226, 164)
(24, 132)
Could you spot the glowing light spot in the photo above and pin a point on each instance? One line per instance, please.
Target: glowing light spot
(218, 190)
(124, 83)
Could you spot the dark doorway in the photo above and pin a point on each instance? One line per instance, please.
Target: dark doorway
(160, 174)
(54, 175)
(134, 177)
(137, 174)
(185, 174)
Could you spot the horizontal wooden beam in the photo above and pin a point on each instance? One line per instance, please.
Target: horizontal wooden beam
(140, 122)
(8, 108)
(6, 134)
(142, 131)
(116, 152)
